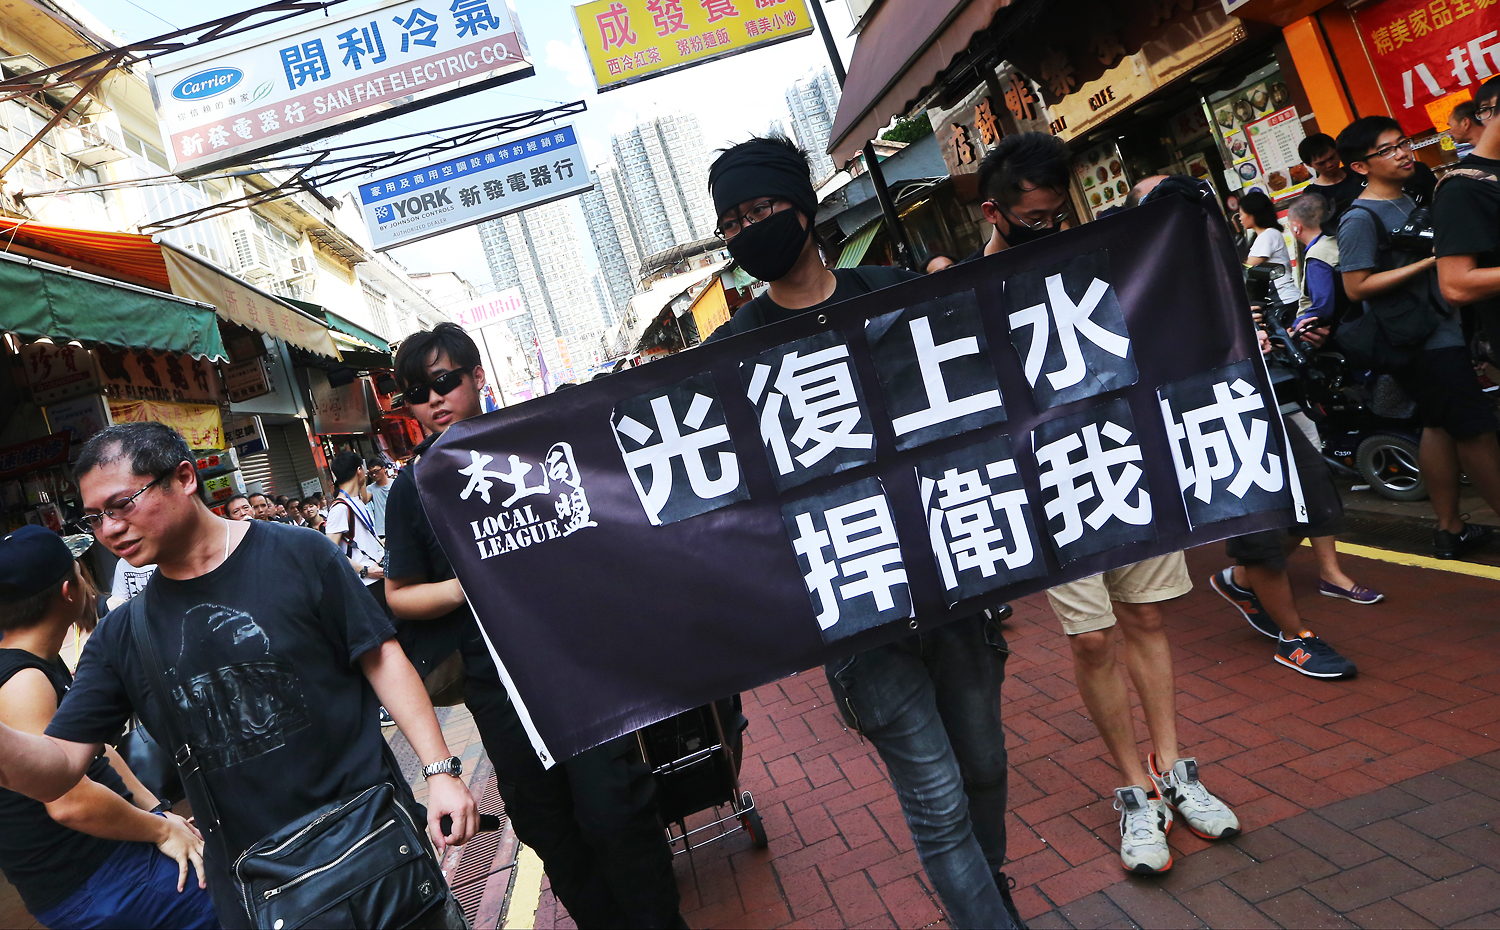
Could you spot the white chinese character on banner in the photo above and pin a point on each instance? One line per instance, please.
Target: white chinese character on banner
(1078, 467)
(192, 145)
(481, 478)
(866, 556)
(818, 390)
(218, 136)
(654, 460)
(242, 128)
(1212, 453)
(930, 359)
(974, 527)
(1070, 320)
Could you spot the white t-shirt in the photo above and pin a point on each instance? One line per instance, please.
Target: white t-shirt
(129, 580)
(367, 548)
(1271, 246)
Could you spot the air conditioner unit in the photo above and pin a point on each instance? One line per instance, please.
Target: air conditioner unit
(250, 258)
(94, 144)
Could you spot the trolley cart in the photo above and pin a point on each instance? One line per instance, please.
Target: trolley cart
(696, 763)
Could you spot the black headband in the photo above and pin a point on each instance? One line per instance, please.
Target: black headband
(761, 168)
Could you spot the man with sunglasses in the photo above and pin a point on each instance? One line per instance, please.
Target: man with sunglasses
(1400, 287)
(1024, 183)
(592, 819)
(276, 685)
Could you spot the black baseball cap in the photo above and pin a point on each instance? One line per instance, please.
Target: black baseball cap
(32, 559)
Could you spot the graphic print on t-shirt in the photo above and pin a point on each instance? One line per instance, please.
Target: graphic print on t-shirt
(237, 711)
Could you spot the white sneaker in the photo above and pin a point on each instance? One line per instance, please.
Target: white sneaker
(1203, 813)
(1144, 822)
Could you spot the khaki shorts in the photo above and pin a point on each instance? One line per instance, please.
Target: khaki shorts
(1085, 605)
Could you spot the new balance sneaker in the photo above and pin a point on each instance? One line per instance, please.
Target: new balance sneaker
(1244, 601)
(1144, 822)
(1203, 813)
(1446, 545)
(1311, 656)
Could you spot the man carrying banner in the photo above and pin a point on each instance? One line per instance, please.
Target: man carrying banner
(1024, 183)
(591, 819)
(931, 702)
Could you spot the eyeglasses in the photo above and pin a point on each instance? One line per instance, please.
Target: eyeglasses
(442, 385)
(728, 229)
(1481, 114)
(1386, 151)
(120, 510)
(1046, 222)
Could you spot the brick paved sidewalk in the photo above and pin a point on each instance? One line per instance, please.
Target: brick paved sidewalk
(1373, 802)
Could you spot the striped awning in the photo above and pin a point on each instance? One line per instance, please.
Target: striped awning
(126, 256)
(855, 249)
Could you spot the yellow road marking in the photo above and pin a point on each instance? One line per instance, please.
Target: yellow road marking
(526, 893)
(1456, 566)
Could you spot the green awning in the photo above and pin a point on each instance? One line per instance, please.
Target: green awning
(856, 247)
(45, 300)
(363, 349)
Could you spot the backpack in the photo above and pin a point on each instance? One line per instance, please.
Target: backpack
(1389, 336)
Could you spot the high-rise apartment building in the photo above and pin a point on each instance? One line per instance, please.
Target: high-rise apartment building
(537, 250)
(813, 100)
(607, 211)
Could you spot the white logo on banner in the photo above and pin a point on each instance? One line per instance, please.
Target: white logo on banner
(866, 556)
(517, 527)
(971, 527)
(1078, 467)
(1071, 321)
(1214, 452)
(818, 390)
(930, 359)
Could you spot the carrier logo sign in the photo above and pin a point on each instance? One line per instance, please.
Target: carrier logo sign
(517, 525)
(208, 83)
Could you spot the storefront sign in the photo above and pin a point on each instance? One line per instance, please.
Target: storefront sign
(247, 379)
(1275, 139)
(199, 424)
(1425, 49)
(478, 185)
(494, 307)
(1120, 88)
(57, 372)
(37, 453)
(1043, 415)
(327, 75)
(338, 410)
(80, 417)
(246, 434)
(631, 40)
(173, 379)
(310, 487)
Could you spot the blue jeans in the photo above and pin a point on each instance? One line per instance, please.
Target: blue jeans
(135, 887)
(931, 705)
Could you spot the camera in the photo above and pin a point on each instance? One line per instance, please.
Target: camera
(1414, 238)
(1258, 284)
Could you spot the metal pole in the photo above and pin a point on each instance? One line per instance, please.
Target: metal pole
(877, 177)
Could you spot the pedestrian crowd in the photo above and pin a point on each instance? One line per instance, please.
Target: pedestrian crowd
(262, 657)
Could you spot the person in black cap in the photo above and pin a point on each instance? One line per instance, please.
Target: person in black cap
(931, 702)
(96, 856)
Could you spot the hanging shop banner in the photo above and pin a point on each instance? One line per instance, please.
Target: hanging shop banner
(57, 372)
(246, 434)
(339, 410)
(326, 75)
(247, 379)
(803, 492)
(1423, 50)
(631, 40)
(139, 374)
(36, 453)
(238, 302)
(474, 186)
(80, 418)
(199, 424)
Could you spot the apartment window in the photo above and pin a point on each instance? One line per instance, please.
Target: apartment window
(379, 306)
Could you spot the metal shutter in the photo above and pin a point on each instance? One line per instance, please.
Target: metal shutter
(256, 470)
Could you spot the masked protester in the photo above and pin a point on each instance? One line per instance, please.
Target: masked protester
(931, 702)
(1024, 182)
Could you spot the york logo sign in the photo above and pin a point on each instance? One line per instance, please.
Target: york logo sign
(515, 525)
(209, 83)
(414, 206)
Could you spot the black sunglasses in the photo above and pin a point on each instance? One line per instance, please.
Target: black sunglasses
(442, 385)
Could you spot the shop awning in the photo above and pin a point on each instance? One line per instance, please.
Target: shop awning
(358, 347)
(898, 54)
(128, 256)
(244, 304)
(41, 299)
(855, 249)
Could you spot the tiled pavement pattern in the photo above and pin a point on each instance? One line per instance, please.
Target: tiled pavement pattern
(1372, 802)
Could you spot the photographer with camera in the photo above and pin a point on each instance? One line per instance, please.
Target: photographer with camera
(1386, 262)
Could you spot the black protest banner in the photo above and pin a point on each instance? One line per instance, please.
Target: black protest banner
(762, 505)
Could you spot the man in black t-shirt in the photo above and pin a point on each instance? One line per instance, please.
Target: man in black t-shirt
(1466, 224)
(1338, 185)
(592, 819)
(931, 702)
(277, 685)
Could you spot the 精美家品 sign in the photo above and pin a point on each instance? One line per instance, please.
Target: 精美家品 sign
(476, 185)
(330, 75)
(630, 40)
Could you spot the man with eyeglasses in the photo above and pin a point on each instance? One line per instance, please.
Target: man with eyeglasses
(1024, 183)
(592, 819)
(1401, 289)
(1338, 185)
(277, 685)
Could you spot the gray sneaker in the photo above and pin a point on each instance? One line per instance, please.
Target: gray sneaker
(1144, 822)
(1203, 813)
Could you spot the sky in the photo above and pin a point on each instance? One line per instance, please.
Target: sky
(732, 98)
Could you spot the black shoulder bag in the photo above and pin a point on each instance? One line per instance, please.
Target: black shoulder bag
(1390, 337)
(361, 861)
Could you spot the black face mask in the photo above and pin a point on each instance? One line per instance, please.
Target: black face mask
(770, 248)
(1020, 234)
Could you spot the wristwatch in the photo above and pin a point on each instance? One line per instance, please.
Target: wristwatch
(452, 765)
(364, 571)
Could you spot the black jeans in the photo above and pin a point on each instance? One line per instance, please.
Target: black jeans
(592, 820)
(931, 705)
